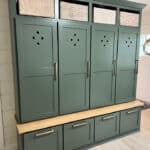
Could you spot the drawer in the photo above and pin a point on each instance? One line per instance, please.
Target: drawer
(78, 134)
(106, 126)
(47, 139)
(130, 120)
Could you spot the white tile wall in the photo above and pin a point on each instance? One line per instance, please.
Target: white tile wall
(8, 138)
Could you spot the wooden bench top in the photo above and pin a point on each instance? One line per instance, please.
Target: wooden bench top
(63, 119)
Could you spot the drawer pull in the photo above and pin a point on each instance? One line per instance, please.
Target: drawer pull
(88, 69)
(80, 125)
(55, 71)
(132, 111)
(45, 133)
(109, 117)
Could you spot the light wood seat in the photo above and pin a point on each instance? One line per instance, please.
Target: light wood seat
(63, 119)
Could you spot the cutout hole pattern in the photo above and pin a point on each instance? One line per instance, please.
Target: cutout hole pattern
(105, 41)
(129, 42)
(37, 38)
(74, 40)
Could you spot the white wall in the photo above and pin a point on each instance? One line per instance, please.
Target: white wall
(8, 139)
(7, 122)
(143, 82)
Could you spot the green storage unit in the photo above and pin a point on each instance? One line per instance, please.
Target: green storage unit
(46, 139)
(107, 126)
(130, 120)
(78, 134)
(127, 64)
(74, 61)
(103, 57)
(37, 55)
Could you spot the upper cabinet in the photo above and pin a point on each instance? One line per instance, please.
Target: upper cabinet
(43, 8)
(74, 11)
(127, 64)
(37, 56)
(75, 55)
(74, 66)
(129, 18)
(106, 15)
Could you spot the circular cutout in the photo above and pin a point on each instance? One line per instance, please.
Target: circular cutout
(75, 44)
(78, 40)
(75, 34)
(71, 39)
(37, 32)
(33, 37)
(42, 38)
(38, 43)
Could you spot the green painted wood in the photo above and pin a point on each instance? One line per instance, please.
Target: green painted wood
(51, 141)
(74, 53)
(106, 126)
(130, 120)
(104, 47)
(126, 64)
(121, 3)
(37, 52)
(79, 136)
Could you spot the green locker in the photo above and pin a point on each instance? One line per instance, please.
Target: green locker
(130, 120)
(74, 66)
(46, 139)
(78, 134)
(104, 46)
(127, 64)
(37, 55)
(106, 126)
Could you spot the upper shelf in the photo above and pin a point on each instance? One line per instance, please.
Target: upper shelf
(37, 125)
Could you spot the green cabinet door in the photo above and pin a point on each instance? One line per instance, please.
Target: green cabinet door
(104, 41)
(130, 120)
(78, 134)
(106, 126)
(126, 65)
(46, 139)
(37, 53)
(74, 57)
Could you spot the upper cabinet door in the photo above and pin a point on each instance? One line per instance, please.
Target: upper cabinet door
(74, 57)
(127, 64)
(37, 53)
(104, 41)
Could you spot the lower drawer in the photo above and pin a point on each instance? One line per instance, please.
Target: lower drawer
(46, 139)
(106, 126)
(130, 120)
(78, 134)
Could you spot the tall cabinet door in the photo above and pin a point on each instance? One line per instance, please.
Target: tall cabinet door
(37, 53)
(127, 64)
(74, 57)
(104, 41)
